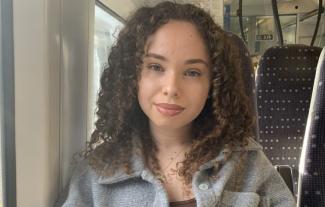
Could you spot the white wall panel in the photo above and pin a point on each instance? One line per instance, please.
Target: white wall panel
(52, 41)
(36, 101)
(76, 27)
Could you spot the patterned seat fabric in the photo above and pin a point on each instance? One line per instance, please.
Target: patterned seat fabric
(284, 86)
(248, 75)
(312, 164)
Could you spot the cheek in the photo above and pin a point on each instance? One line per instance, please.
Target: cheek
(141, 94)
(144, 92)
(202, 95)
(202, 90)
(200, 100)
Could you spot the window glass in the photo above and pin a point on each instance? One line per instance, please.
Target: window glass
(259, 28)
(289, 28)
(260, 32)
(307, 28)
(106, 31)
(107, 27)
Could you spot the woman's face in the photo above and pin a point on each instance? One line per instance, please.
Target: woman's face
(175, 76)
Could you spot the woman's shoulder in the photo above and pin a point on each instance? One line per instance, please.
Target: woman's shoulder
(255, 173)
(83, 169)
(78, 187)
(254, 152)
(253, 156)
(250, 144)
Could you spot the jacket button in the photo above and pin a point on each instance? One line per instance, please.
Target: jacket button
(204, 186)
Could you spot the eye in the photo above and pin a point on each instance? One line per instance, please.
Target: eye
(155, 67)
(193, 73)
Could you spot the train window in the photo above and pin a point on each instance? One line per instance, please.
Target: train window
(307, 23)
(260, 32)
(289, 28)
(259, 27)
(107, 26)
(265, 35)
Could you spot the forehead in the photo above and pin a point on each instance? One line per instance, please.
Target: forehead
(177, 38)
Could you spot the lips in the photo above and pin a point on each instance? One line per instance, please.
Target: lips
(170, 106)
(169, 109)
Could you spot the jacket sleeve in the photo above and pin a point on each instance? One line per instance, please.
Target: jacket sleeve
(271, 187)
(78, 192)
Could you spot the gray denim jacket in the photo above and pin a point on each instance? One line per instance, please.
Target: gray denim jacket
(244, 180)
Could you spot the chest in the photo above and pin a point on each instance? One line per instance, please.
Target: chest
(148, 192)
(139, 193)
(173, 183)
(177, 190)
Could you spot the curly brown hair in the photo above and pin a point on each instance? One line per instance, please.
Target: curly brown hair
(226, 119)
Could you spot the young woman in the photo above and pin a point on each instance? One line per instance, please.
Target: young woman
(174, 124)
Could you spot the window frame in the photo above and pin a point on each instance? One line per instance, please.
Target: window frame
(7, 93)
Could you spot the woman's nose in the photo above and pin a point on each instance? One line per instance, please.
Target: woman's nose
(171, 85)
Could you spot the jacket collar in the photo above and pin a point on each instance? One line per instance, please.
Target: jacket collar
(139, 169)
(252, 145)
(137, 165)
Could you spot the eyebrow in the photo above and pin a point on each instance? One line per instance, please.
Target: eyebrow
(190, 61)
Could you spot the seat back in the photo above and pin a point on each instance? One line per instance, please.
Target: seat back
(312, 164)
(285, 79)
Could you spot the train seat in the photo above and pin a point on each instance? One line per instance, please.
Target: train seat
(284, 84)
(311, 190)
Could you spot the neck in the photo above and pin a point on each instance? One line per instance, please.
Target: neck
(171, 139)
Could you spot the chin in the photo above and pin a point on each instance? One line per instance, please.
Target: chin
(170, 124)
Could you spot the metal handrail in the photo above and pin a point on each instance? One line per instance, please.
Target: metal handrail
(277, 21)
(320, 11)
(240, 15)
(278, 24)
